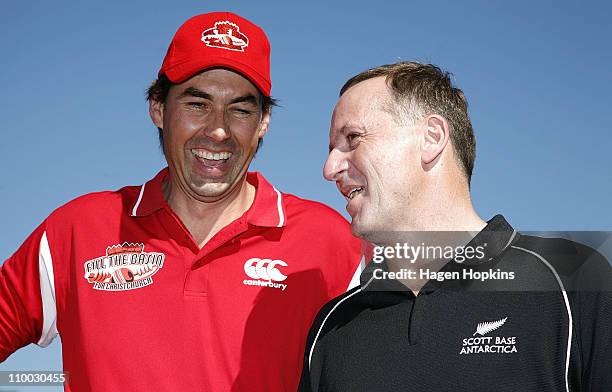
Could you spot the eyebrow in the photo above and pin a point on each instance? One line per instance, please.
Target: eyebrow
(351, 125)
(247, 98)
(194, 92)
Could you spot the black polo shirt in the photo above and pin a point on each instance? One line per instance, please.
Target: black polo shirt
(547, 329)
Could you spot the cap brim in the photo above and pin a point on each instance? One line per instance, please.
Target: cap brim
(183, 71)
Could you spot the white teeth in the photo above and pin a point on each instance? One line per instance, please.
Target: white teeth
(353, 192)
(217, 156)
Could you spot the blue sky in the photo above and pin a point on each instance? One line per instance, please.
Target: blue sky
(536, 74)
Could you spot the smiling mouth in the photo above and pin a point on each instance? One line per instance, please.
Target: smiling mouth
(211, 156)
(212, 163)
(354, 192)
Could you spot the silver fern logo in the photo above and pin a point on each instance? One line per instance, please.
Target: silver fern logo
(484, 328)
(478, 343)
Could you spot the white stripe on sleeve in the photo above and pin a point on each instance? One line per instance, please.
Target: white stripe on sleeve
(47, 293)
(355, 280)
(570, 322)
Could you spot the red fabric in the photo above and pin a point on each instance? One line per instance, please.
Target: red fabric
(219, 39)
(197, 326)
(20, 301)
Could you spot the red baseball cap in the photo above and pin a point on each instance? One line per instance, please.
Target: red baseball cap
(219, 39)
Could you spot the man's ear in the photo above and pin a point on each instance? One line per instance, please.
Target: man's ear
(264, 124)
(435, 138)
(156, 111)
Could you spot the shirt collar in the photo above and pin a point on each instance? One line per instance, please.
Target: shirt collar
(267, 209)
(150, 197)
(493, 239)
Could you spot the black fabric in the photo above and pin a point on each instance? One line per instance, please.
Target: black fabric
(380, 337)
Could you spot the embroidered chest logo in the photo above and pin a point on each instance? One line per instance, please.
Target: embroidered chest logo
(264, 273)
(482, 343)
(124, 267)
(225, 35)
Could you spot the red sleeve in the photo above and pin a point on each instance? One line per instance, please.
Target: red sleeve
(21, 309)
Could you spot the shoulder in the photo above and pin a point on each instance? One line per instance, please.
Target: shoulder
(325, 230)
(338, 311)
(94, 204)
(579, 266)
(315, 212)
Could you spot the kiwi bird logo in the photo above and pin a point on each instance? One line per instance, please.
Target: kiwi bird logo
(124, 267)
(225, 35)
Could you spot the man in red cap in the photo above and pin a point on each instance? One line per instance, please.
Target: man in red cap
(205, 278)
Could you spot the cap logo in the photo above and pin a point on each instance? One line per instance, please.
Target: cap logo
(225, 35)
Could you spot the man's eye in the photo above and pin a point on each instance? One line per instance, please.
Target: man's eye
(242, 112)
(196, 105)
(351, 137)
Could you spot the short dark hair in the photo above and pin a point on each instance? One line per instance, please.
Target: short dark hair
(427, 89)
(158, 91)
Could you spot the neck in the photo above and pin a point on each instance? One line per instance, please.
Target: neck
(445, 207)
(443, 204)
(451, 215)
(205, 219)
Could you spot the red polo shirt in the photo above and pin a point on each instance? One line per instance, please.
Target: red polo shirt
(140, 307)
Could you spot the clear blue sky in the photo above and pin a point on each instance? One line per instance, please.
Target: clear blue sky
(537, 76)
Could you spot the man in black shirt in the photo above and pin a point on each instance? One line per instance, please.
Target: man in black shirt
(450, 302)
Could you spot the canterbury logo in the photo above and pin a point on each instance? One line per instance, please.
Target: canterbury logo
(264, 269)
(264, 273)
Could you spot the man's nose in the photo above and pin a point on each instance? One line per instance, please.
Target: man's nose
(335, 164)
(218, 128)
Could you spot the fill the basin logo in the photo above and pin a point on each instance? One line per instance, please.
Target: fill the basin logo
(225, 35)
(478, 343)
(124, 267)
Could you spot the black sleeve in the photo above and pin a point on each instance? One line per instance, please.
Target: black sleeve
(323, 323)
(305, 385)
(587, 278)
(595, 323)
